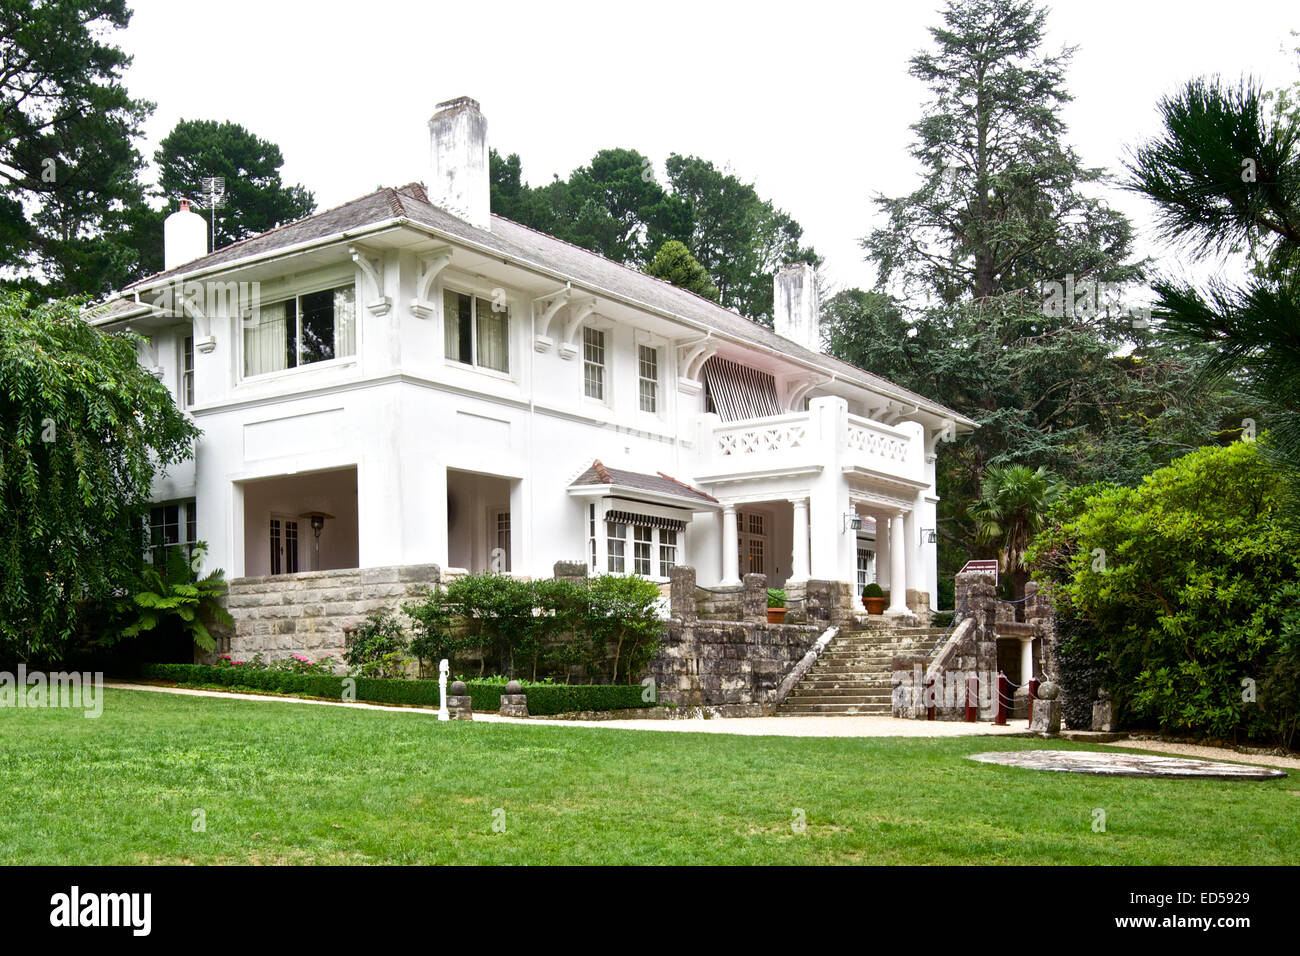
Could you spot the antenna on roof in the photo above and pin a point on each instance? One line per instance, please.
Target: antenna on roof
(214, 194)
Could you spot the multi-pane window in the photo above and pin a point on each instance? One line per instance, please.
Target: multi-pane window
(591, 533)
(476, 331)
(173, 525)
(667, 550)
(648, 541)
(648, 378)
(313, 327)
(593, 363)
(642, 546)
(617, 541)
(187, 371)
(866, 567)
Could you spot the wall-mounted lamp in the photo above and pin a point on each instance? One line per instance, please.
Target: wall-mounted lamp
(317, 523)
(929, 535)
(852, 522)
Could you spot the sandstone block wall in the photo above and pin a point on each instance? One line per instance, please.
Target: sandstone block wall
(285, 614)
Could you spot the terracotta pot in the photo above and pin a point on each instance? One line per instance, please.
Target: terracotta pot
(776, 615)
(874, 605)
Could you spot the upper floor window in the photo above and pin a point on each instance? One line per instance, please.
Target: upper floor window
(648, 375)
(476, 331)
(593, 363)
(313, 327)
(187, 371)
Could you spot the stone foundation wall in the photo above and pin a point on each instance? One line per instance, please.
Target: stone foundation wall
(704, 662)
(284, 614)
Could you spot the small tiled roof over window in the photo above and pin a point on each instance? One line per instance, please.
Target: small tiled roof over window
(658, 483)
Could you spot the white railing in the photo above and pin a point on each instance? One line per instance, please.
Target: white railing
(762, 435)
(877, 440)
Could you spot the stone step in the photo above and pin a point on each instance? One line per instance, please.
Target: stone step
(849, 686)
(837, 710)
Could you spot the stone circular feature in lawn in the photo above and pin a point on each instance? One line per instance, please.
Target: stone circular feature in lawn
(1126, 765)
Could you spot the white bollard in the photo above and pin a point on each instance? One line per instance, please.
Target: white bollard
(444, 667)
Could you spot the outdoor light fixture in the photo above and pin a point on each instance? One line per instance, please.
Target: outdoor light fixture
(317, 523)
(852, 522)
(929, 535)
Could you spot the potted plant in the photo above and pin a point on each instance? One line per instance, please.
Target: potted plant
(873, 599)
(775, 606)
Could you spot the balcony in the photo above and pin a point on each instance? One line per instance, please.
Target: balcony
(802, 443)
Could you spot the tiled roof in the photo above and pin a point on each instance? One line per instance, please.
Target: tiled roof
(530, 247)
(658, 483)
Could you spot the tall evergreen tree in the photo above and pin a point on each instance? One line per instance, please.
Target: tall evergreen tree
(68, 164)
(999, 208)
(256, 198)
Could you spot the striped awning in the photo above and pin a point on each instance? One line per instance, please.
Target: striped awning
(628, 517)
(739, 392)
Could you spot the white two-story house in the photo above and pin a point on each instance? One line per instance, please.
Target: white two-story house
(408, 379)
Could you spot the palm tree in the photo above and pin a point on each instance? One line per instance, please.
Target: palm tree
(1014, 499)
(1225, 177)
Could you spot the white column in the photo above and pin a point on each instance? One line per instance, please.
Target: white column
(800, 564)
(912, 529)
(1026, 661)
(897, 566)
(730, 548)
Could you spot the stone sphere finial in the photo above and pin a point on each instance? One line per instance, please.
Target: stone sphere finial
(458, 689)
(1048, 691)
(514, 687)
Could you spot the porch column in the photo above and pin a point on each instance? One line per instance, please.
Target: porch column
(730, 548)
(1026, 661)
(801, 569)
(897, 566)
(912, 530)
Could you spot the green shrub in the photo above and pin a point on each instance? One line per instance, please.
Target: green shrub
(377, 647)
(873, 590)
(775, 597)
(1186, 582)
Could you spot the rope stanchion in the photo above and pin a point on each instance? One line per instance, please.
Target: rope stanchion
(1003, 682)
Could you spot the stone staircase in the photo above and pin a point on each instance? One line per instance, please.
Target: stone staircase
(854, 674)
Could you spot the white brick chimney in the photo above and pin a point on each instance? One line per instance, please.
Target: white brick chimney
(185, 237)
(796, 309)
(458, 167)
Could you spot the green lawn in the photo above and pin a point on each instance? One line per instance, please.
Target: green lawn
(292, 783)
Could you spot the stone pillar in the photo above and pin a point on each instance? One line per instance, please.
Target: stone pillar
(897, 566)
(682, 594)
(801, 566)
(730, 548)
(753, 599)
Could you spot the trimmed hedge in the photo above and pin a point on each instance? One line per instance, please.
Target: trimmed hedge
(543, 699)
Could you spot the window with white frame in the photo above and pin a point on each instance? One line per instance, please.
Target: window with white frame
(616, 550)
(591, 534)
(187, 371)
(667, 550)
(476, 331)
(648, 378)
(652, 546)
(866, 566)
(752, 541)
(593, 363)
(311, 327)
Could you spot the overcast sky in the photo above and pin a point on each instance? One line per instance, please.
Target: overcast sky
(809, 101)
